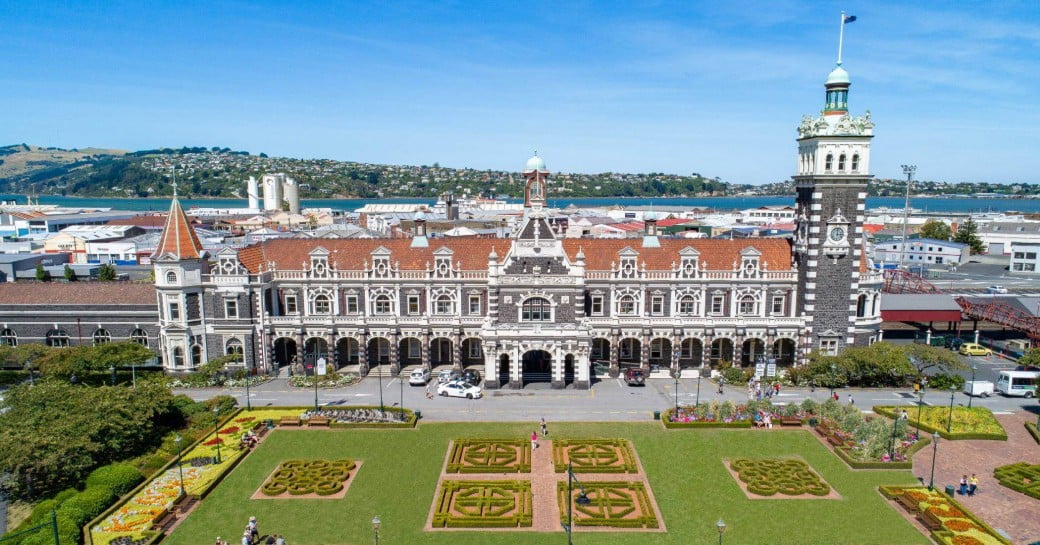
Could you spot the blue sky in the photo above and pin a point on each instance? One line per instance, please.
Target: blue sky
(716, 88)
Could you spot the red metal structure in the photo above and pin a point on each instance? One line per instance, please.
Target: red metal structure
(900, 281)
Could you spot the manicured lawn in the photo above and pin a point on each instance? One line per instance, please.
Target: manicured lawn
(692, 486)
(973, 423)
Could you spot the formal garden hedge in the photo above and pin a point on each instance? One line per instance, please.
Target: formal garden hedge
(489, 456)
(302, 477)
(959, 526)
(968, 423)
(1031, 428)
(846, 456)
(594, 456)
(771, 476)
(483, 504)
(612, 504)
(365, 416)
(1020, 477)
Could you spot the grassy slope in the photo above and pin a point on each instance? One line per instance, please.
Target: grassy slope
(685, 470)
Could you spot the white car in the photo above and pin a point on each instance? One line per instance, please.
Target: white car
(445, 376)
(996, 289)
(460, 389)
(419, 376)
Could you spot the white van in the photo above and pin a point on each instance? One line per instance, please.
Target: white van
(1017, 383)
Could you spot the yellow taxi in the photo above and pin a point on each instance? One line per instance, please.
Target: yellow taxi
(973, 349)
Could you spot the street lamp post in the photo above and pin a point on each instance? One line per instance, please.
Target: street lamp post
(375, 528)
(721, 527)
(935, 449)
(698, 401)
(379, 377)
(133, 374)
(216, 430)
(400, 380)
(675, 376)
(892, 440)
(920, 404)
(582, 499)
(249, 405)
(112, 369)
(949, 422)
(834, 379)
(972, 387)
(180, 469)
(315, 387)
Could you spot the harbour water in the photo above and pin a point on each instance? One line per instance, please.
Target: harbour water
(925, 204)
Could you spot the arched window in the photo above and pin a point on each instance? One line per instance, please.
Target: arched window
(102, 336)
(874, 309)
(444, 305)
(234, 348)
(828, 163)
(322, 304)
(171, 277)
(8, 337)
(196, 355)
(381, 305)
(536, 309)
(841, 163)
(748, 305)
(139, 336)
(57, 337)
(861, 306)
(626, 305)
(855, 162)
(178, 356)
(687, 305)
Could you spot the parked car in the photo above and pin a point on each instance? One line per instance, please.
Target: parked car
(972, 349)
(471, 376)
(457, 388)
(996, 289)
(419, 376)
(1026, 368)
(445, 376)
(954, 343)
(634, 376)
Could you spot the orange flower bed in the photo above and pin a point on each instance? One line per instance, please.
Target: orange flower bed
(966, 540)
(960, 525)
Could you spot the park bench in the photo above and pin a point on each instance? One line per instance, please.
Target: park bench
(790, 421)
(823, 429)
(835, 440)
(908, 503)
(930, 521)
(185, 503)
(289, 421)
(261, 429)
(164, 521)
(316, 421)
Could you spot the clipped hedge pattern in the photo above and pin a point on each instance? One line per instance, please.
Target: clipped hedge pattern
(983, 416)
(1020, 477)
(594, 455)
(612, 504)
(770, 476)
(301, 477)
(489, 456)
(960, 526)
(1031, 428)
(483, 504)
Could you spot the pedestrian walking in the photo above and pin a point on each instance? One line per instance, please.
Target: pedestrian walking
(812, 385)
(776, 388)
(973, 485)
(545, 429)
(903, 415)
(851, 401)
(963, 490)
(720, 385)
(429, 394)
(835, 396)
(534, 440)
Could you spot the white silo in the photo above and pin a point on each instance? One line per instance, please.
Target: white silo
(272, 191)
(291, 192)
(253, 193)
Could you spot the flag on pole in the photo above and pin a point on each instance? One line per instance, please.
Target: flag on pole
(849, 18)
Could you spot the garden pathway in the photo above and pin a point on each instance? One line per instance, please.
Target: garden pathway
(1002, 508)
(543, 489)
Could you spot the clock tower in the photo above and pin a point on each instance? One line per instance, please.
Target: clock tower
(831, 186)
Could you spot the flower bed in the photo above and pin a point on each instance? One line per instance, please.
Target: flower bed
(328, 381)
(594, 456)
(727, 414)
(973, 423)
(611, 505)
(1021, 477)
(959, 526)
(489, 456)
(483, 504)
(307, 477)
(770, 476)
(365, 417)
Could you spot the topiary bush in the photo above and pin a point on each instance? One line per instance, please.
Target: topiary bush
(119, 478)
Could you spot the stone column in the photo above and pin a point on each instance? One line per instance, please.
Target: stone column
(676, 342)
(490, 366)
(330, 338)
(644, 352)
(516, 368)
(363, 354)
(582, 370)
(706, 350)
(556, 369)
(615, 347)
(395, 359)
(425, 349)
(300, 353)
(456, 351)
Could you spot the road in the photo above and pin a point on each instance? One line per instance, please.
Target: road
(609, 400)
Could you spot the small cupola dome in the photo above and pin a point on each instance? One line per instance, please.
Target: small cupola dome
(535, 163)
(838, 76)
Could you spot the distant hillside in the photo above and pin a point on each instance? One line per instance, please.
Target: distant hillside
(222, 172)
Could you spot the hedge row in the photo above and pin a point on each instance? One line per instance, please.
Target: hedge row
(570, 447)
(666, 420)
(301, 477)
(952, 436)
(521, 516)
(464, 452)
(769, 476)
(592, 514)
(1020, 477)
(843, 453)
(1031, 428)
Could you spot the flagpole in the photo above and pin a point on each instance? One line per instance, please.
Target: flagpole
(841, 36)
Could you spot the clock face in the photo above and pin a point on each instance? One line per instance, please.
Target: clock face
(837, 234)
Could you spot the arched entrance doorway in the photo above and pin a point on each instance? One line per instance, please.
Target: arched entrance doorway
(751, 351)
(314, 348)
(721, 350)
(660, 353)
(503, 370)
(472, 352)
(440, 352)
(568, 369)
(537, 367)
(378, 352)
(691, 353)
(600, 350)
(347, 350)
(630, 353)
(409, 351)
(284, 351)
(783, 351)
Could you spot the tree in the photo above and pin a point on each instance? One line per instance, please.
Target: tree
(936, 229)
(928, 359)
(107, 272)
(968, 233)
(1031, 358)
(41, 274)
(70, 275)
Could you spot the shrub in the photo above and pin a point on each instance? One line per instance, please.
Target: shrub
(87, 504)
(119, 478)
(943, 382)
(224, 403)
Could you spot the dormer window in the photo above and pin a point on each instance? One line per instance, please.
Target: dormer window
(688, 262)
(171, 277)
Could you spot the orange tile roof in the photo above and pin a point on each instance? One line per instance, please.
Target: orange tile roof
(178, 238)
(472, 252)
(77, 293)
